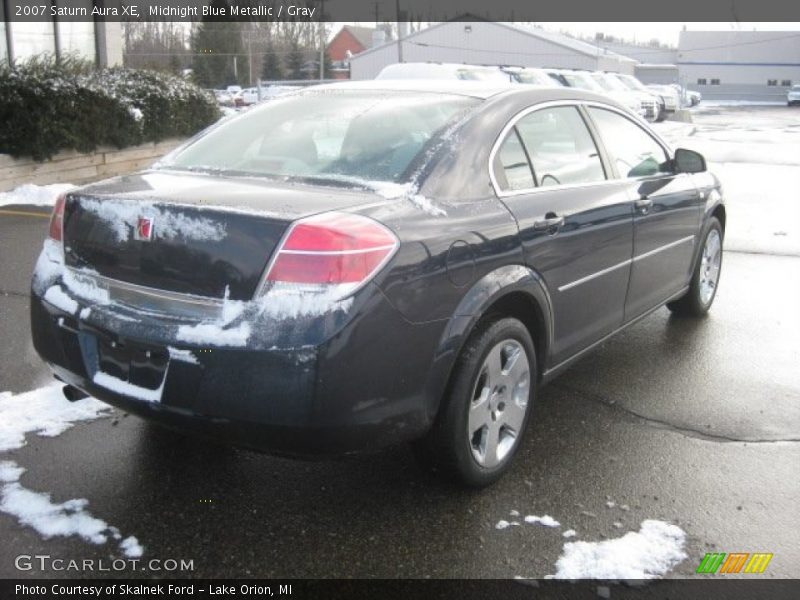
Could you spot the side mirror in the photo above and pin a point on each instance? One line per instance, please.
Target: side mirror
(688, 161)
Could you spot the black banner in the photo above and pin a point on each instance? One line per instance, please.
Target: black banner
(400, 10)
(404, 589)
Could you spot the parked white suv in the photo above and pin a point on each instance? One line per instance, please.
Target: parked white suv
(653, 104)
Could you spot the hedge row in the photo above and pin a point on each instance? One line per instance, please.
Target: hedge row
(47, 107)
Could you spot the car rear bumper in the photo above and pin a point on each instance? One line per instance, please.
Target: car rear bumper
(339, 389)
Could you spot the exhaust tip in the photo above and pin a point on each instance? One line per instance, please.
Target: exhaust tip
(73, 394)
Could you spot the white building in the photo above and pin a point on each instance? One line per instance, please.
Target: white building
(489, 43)
(98, 41)
(739, 65)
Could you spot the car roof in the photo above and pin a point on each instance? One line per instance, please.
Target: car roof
(474, 89)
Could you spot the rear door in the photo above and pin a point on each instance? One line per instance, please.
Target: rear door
(667, 210)
(575, 220)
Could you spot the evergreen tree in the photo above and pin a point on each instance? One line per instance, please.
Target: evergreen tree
(218, 55)
(271, 69)
(295, 60)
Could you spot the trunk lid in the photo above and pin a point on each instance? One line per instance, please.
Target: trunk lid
(187, 233)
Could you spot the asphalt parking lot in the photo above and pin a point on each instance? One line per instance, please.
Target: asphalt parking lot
(696, 423)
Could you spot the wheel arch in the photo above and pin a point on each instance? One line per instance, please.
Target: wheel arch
(512, 290)
(721, 215)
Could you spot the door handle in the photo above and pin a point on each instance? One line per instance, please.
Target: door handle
(550, 223)
(643, 205)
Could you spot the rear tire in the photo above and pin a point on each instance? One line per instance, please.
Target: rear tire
(705, 278)
(487, 405)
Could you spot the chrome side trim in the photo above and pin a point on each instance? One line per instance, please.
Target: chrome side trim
(664, 247)
(624, 263)
(550, 373)
(576, 103)
(577, 282)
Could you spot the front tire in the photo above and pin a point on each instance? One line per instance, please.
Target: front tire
(487, 406)
(705, 279)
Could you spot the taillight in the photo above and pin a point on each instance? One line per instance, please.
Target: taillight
(57, 219)
(332, 249)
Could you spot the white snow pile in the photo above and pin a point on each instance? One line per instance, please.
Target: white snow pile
(649, 553)
(47, 413)
(288, 301)
(126, 388)
(215, 333)
(123, 216)
(51, 519)
(427, 206)
(56, 296)
(181, 355)
(396, 191)
(35, 195)
(503, 524)
(545, 521)
(569, 533)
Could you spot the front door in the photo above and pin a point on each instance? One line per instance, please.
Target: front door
(667, 211)
(575, 222)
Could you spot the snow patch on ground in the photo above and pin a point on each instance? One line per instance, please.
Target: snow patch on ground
(35, 195)
(123, 216)
(47, 413)
(51, 519)
(503, 524)
(569, 533)
(545, 521)
(649, 553)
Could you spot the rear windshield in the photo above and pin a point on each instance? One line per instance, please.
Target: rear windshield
(327, 135)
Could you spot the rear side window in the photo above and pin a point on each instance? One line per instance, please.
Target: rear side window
(512, 169)
(634, 151)
(548, 147)
(560, 147)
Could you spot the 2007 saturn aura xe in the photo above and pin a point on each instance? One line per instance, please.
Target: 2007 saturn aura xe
(366, 263)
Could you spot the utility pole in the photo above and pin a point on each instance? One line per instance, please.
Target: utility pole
(399, 32)
(321, 40)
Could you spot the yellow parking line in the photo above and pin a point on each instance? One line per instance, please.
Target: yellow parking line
(22, 213)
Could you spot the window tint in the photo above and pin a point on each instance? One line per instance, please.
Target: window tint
(560, 147)
(634, 152)
(512, 170)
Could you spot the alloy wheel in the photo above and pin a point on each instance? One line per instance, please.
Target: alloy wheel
(710, 266)
(499, 403)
